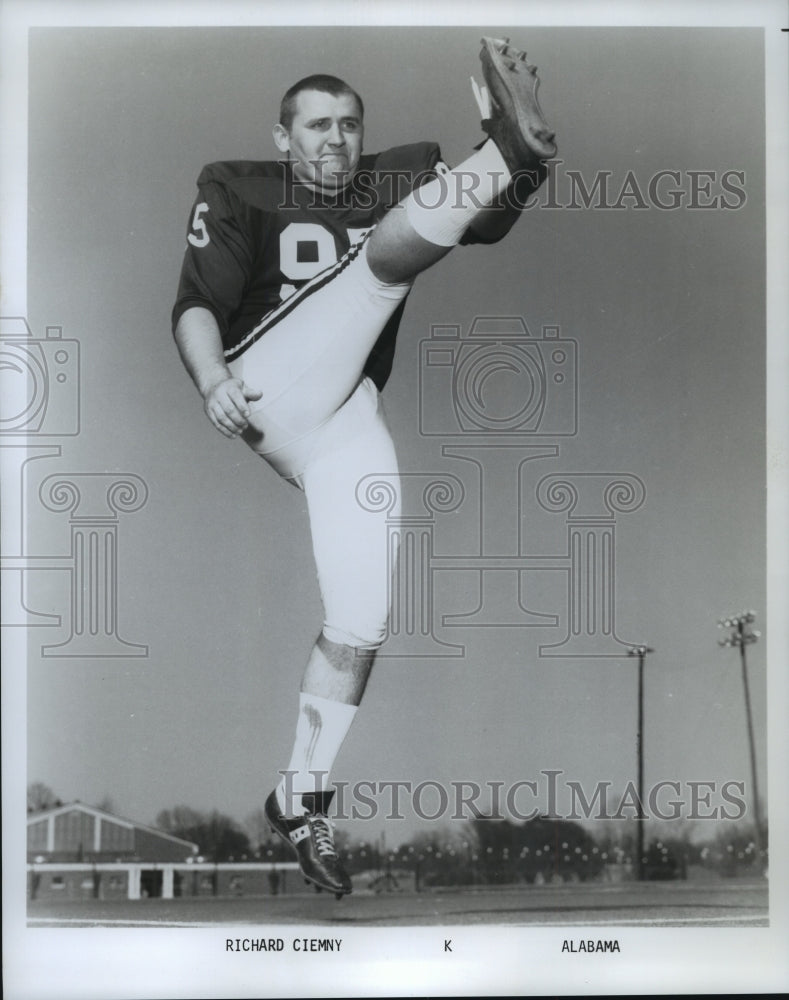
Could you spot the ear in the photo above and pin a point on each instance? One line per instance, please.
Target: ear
(281, 138)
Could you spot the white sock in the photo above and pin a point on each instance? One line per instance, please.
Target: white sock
(442, 209)
(321, 728)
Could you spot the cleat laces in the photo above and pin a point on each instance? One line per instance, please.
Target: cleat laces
(324, 838)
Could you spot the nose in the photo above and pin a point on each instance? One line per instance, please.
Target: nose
(336, 137)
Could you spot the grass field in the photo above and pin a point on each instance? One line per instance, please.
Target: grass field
(731, 903)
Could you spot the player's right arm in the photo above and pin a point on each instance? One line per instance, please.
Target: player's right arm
(225, 398)
(214, 274)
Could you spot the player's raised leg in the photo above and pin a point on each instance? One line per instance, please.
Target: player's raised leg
(308, 354)
(434, 217)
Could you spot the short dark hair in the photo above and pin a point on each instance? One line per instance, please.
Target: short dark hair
(318, 81)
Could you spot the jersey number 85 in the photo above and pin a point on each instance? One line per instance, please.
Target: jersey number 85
(305, 248)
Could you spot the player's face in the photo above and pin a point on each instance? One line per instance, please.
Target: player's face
(324, 141)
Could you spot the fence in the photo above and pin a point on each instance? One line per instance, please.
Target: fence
(142, 880)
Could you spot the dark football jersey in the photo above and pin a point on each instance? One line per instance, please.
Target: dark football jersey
(256, 235)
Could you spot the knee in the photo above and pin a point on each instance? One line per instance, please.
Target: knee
(362, 636)
(396, 251)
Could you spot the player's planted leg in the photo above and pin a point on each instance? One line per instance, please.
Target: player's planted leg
(352, 550)
(333, 684)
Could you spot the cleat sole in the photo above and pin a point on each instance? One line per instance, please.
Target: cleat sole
(513, 83)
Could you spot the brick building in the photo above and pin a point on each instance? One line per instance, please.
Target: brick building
(77, 851)
(77, 833)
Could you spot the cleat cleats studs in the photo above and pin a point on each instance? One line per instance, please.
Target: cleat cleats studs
(516, 123)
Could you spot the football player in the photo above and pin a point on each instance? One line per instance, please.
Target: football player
(294, 280)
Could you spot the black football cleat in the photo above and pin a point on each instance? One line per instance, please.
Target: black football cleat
(312, 838)
(516, 123)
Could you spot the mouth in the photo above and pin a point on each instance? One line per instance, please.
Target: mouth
(331, 170)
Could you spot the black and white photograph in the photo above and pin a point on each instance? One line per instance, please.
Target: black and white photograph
(394, 499)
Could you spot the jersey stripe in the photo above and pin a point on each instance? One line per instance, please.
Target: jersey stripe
(286, 308)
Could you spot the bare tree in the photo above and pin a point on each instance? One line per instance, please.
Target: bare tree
(218, 836)
(40, 797)
(257, 828)
(106, 804)
(178, 818)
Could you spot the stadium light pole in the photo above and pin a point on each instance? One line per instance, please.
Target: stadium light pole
(742, 635)
(640, 652)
